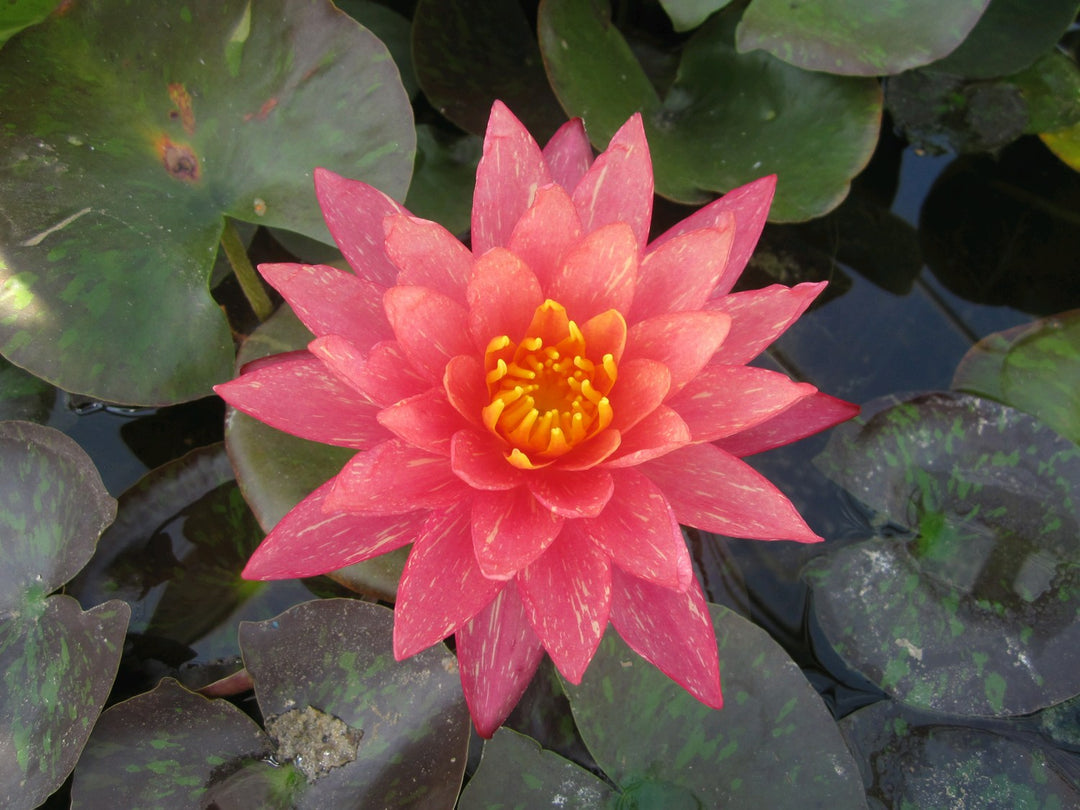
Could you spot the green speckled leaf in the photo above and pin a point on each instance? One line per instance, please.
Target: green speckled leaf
(973, 610)
(858, 37)
(727, 119)
(128, 131)
(15, 15)
(58, 662)
(336, 655)
(752, 753)
(23, 396)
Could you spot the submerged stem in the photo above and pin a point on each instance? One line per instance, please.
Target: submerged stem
(249, 280)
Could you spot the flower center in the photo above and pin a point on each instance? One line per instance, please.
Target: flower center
(547, 394)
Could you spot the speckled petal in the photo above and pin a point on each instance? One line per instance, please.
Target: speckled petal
(510, 529)
(546, 231)
(597, 273)
(805, 418)
(682, 273)
(503, 295)
(383, 374)
(427, 255)
(682, 341)
(478, 458)
(426, 421)
(576, 494)
(758, 317)
(430, 328)
(569, 154)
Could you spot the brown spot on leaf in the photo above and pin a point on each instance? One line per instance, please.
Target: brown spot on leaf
(181, 100)
(264, 110)
(179, 160)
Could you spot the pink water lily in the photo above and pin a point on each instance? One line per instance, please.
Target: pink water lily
(539, 414)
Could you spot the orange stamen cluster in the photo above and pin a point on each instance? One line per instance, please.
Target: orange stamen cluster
(547, 395)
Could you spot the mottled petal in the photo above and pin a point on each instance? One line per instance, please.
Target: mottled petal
(465, 387)
(657, 434)
(641, 387)
(394, 478)
(354, 213)
(429, 326)
(723, 400)
(546, 231)
(618, 187)
(639, 532)
(479, 459)
(593, 452)
(682, 341)
(605, 334)
(567, 596)
(511, 170)
(750, 206)
(577, 494)
(426, 421)
(510, 529)
(805, 418)
(758, 317)
(713, 491)
(598, 273)
(330, 411)
(569, 154)
(498, 654)
(441, 587)
(308, 541)
(671, 630)
(427, 255)
(383, 374)
(503, 295)
(681, 273)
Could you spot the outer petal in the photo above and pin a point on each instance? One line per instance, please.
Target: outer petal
(510, 171)
(429, 326)
(619, 185)
(427, 255)
(395, 478)
(716, 492)
(308, 541)
(681, 274)
(805, 418)
(546, 231)
(478, 459)
(641, 387)
(639, 532)
(354, 212)
(577, 494)
(503, 295)
(426, 421)
(758, 317)
(510, 529)
(567, 596)
(724, 400)
(682, 341)
(657, 434)
(498, 654)
(332, 302)
(750, 206)
(330, 411)
(383, 374)
(598, 273)
(569, 154)
(441, 587)
(671, 630)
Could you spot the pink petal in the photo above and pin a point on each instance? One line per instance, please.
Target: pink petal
(750, 206)
(605, 334)
(503, 295)
(354, 212)
(639, 532)
(395, 478)
(332, 302)
(682, 341)
(716, 492)
(330, 411)
(465, 387)
(441, 587)
(510, 171)
(479, 459)
(593, 452)
(383, 374)
(598, 273)
(758, 317)
(724, 400)
(308, 541)
(657, 434)
(671, 630)
(805, 418)
(569, 154)
(510, 530)
(426, 421)
(430, 327)
(567, 596)
(546, 231)
(641, 387)
(618, 187)
(427, 255)
(498, 654)
(577, 494)
(681, 273)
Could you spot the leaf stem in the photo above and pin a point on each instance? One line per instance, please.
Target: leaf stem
(253, 289)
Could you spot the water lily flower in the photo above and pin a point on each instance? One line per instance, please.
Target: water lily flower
(538, 414)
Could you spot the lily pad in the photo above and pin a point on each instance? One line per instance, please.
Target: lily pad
(130, 131)
(58, 660)
(973, 609)
(444, 177)
(858, 37)
(728, 118)
(688, 14)
(15, 15)
(664, 749)
(23, 396)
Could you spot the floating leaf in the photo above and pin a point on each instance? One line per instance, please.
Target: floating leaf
(129, 130)
(392, 29)
(15, 15)
(443, 179)
(974, 610)
(23, 396)
(858, 37)
(687, 14)
(58, 661)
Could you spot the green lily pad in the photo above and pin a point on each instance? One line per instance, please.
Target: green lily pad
(727, 118)
(23, 396)
(15, 15)
(58, 661)
(858, 37)
(131, 129)
(1034, 367)
(973, 610)
(664, 749)
(394, 31)
(688, 14)
(444, 177)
